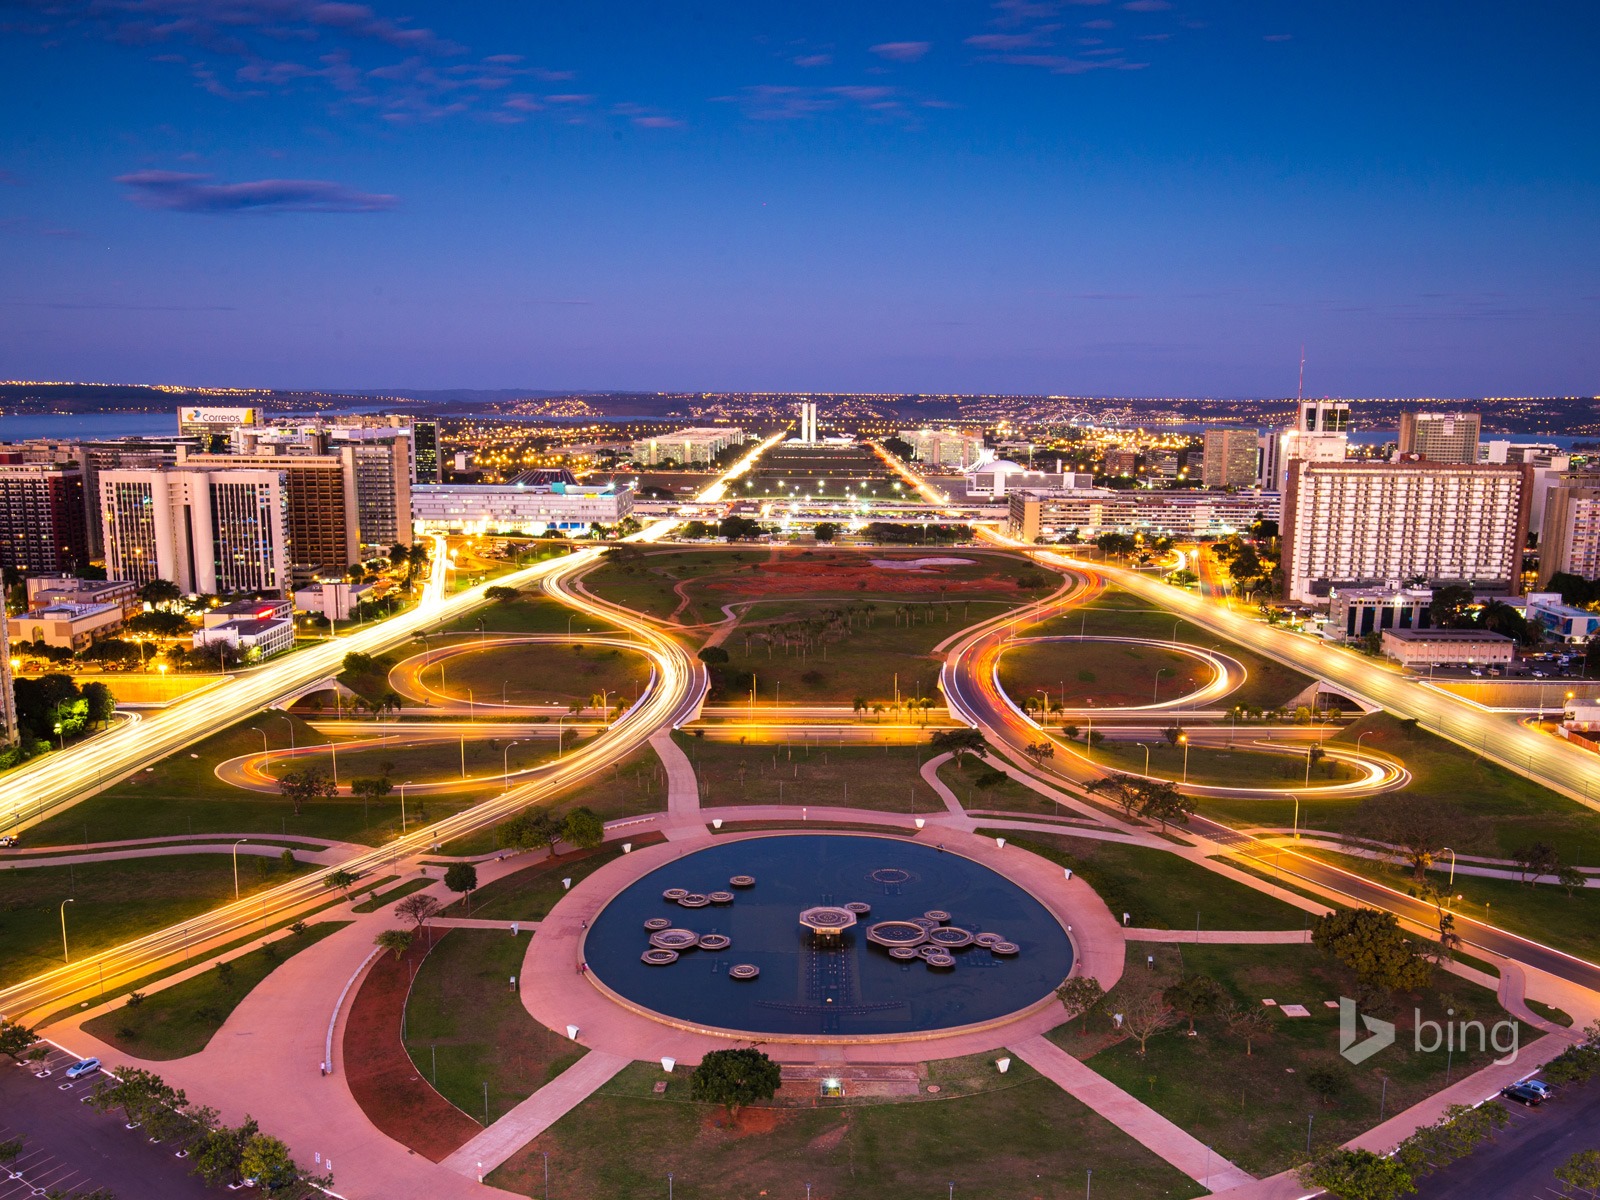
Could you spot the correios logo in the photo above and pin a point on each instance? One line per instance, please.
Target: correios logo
(1428, 1036)
(217, 416)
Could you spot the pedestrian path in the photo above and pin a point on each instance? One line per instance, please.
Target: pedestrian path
(1138, 1120)
(535, 1114)
(1220, 937)
(684, 818)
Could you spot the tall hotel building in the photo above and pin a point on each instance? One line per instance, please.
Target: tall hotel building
(1441, 437)
(1230, 458)
(1353, 524)
(42, 526)
(218, 531)
(1569, 537)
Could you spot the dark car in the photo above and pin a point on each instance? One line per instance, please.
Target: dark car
(1523, 1094)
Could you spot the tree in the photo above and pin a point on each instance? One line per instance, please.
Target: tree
(1080, 996)
(370, 788)
(159, 593)
(1195, 995)
(501, 594)
(216, 1156)
(417, 908)
(713, 656)
(1371, 944)
(1162, 801)
(535, 829)
(1417, 826)
(159, 623)
(268, 1161)
(1451, 606)
(734, 1078)
(959, 743)
(1144, 1015)
(300, 786)
(584, 828)
(15, 1039)
(462, 878)
(1571, 878)
(343, 880)
(136, 1092)
(826, 531)
(1534, 860)
(102, 705)
(1358, 1175)
(11, 1150)
(1582, 1170)
(1327, 1083)
(397, 940)
(1247, 1022)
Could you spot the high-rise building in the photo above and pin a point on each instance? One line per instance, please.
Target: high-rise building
(1569, 535)
(379, 462)
(206, 529)
(42, 525)
(321, 527)
(1051, 513)
(1230, 458)
(8, 698)
(808, 422)
(1355, 524)
(1440, 437)
(945, 447)
(425, 458)
(1321, 433)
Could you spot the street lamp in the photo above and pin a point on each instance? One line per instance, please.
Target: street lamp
(61, 741)
(1184, 738)
(236, 846)
(403, 806)
(1296, 800)
(263, 733)
(1156, 688)
(505, 774)
(65, 957)
(1452, 853)
(284, 718)
(1146, 750)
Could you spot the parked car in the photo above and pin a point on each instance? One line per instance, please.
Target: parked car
(1523, 1094)
(1547, 1090)
(86, 1066)
(8, 841)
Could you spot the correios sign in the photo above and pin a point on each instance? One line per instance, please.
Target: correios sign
(219, 416)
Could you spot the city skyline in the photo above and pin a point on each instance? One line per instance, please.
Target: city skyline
(1124, 199)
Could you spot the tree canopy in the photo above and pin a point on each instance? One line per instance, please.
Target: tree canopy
(735, 1078)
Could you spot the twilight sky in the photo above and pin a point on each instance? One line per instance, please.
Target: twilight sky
(1139, 197)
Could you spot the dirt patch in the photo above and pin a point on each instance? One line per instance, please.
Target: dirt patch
(382, 1077)
(827, 1142)
(751, 1122)
(795, 578)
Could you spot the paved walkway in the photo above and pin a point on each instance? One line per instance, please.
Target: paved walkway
(952, 803)
(1138, 1120)
(481, 923)
(1220, 937)
(327, 857)
(535, 1114)
(684, 819)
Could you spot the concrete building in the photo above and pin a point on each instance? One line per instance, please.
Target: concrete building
(247, 610)
(1230, 458)
(1119, 462)
(427, 458)
(1569, 531)
(66, 626)
(995, 478)
(1440, 437)
(213, 425)
(1357, 524)
(45, 590)
(1535, 454)
(687, 447)
(206, 529)
(8, 696)
(1035, 513)
(322, 526)
(1353, 613)
(42, 524)
(249, 638)
(1321, 433)
(808, 422)
(1447, 647)
(378, 462)
(336, 599)
(945, 447)
(1562, 622)
(485, 508)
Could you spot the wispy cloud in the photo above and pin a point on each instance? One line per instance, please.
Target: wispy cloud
(180, 191)
(101, 306)
(776, 102)
(905, 52)
(812, 60)
(29, 226)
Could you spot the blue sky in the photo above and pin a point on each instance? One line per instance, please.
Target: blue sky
(1155, 197)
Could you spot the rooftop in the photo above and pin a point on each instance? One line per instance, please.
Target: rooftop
(1445, 635)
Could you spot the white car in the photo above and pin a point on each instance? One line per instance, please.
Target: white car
(86, 1066)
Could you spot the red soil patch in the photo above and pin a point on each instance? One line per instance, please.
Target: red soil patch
(751, 1122)
(790, 577)
(382, 1077)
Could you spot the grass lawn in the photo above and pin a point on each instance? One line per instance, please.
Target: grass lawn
(979, 786)
(1515, 810)
(530, 894)
(540, 674)
(482, 757)
(466, 1026)
(1254, 1108)
(531, 612)
(180, 1020)
(1111, 674)
(379, 899)
(1160, 890)
(1545, 913)
(113, 902)
(1027, 1139)
(1117, 613)
(1237, 767)
(884, 778)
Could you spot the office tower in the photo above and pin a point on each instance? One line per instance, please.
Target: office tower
(1569, 535)
(1230, 458)
(1440, 437)
(42, 525)
(686, 447)
(1354, 524)
(945, 447)
(379, 463)
(1051, 512)
(215, 530)
(321, 528)
(808, 422)
(1321, 433)
(213, 425)
(425, 459)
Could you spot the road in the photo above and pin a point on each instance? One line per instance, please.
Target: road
(677, 687)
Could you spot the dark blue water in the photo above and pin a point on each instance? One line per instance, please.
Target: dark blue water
(854, 990)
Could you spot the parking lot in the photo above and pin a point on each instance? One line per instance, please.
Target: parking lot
(1520, 1163)
(70, 1148)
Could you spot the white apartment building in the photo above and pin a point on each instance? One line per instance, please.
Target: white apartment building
(1050, 514)
(1569, 533)
(945, 447)
(1357, 524)
(687, 447)
(1321, 433)
(214, 530)
(483, 508)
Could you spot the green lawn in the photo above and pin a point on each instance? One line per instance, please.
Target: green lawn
(1120, 614)
(113, 902)
(978, 786)
(884, 778)
(466, 1026)
(1254, 1108)
(180, 1020)
(531, 612)
(540, 673)
(379, 899)
(1160, 890)
(1513, 811)
(1111, 674)
(530, 894)
(1028, 1139)
(485, 756)
(1237, 767)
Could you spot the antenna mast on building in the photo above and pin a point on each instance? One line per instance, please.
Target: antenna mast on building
(1300, 393)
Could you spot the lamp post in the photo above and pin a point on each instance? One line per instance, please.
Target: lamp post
(65, 957)
(505, 773)
(1146, 750)
(1184, 738)
(1452, 853)
(403, 806)
(1296, 800)
(263, 733)
(236, 866)
(285, 719)
(472, 707)
(61, 741)
(1156, 688)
